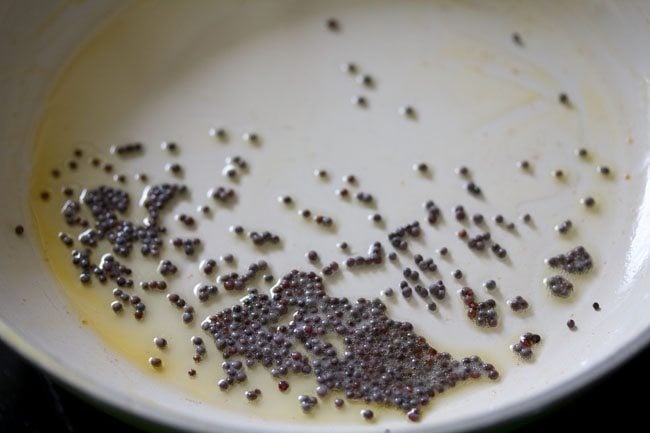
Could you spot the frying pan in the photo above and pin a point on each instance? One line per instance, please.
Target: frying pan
(37, 319)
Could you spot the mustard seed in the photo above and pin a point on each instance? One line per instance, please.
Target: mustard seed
(564, 99)
(366, 80)
(588, 201)
(360, 101)
(332, 25)
(349, 68)
(219, 133)
(571, 324)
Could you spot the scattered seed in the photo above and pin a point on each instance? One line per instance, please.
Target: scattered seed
(603, 169)
(360, 101)
(342, 192)
(588, 201)
(366, 80)
(250, 137)
(462, 170)
(571, 324)
(523, 164)
(174, 168)
(169, 146)
(349, 68)
(332, 25)
(422, 167)
(219, 133)
(285, 199)
(564, 227)
(407, 111)
(564, 99)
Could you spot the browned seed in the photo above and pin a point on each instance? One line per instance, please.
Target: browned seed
(333, 25)
(588, 201)
(349, 67)
(407, 111)
(564, 99)
(604, 170)
(360, 101)
(571, 324)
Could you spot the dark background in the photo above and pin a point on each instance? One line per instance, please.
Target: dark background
(30, 402)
